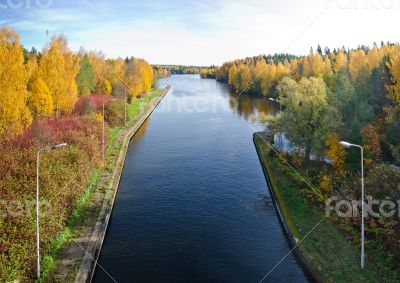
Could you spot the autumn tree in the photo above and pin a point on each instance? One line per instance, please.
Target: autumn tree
(267, 79)
(14, 113)
(232, 80)
(371, 143)
(244, 78)
(104, 86)
(58, 67)
(40, 101)
(337, 156)
(336, 152)
(359, 65)
(340, 62)
(139, 77)
(394, 88)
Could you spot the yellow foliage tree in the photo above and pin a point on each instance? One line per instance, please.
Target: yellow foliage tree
(394, 89)
(139, 76)
(104, 86)
(40, 101)
(358, 64)
(58, 67)
(281, 71)
(335, 152)
(316, 65)
(340, 62)
(232, 74)
(374, 56)
(294, 69)
(245, 77)
(14, 113)
(268, 78)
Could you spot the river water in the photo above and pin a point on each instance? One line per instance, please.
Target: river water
(193, 204)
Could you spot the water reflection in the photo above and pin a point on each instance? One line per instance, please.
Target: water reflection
(251, 108)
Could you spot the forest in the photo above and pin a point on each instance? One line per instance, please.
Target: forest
(326, 97)
(51, 97)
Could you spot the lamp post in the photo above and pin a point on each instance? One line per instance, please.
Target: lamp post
(347, 144)
(37, 202)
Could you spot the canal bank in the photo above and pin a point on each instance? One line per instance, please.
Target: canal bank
(76, 261)
(286, 221)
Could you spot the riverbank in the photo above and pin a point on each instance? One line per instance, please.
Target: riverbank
(319, 243)
(75, 261)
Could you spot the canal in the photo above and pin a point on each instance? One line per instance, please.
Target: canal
(193, 204)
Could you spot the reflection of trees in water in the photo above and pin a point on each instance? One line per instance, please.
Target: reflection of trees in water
(251, 108)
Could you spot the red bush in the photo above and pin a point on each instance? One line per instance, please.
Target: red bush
(91, 103)
(63, 175)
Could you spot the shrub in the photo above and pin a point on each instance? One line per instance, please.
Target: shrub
(84, 105)
(64, 174)
(115, 113)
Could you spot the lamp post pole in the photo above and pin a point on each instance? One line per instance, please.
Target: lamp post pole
(37, 204)
(37, 216)
(346, 144)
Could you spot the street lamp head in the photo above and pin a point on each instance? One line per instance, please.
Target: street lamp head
(345, 144)
(59, 145)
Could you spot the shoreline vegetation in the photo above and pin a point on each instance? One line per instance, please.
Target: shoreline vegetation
(51, 97)
(327, 247)
(327, 97)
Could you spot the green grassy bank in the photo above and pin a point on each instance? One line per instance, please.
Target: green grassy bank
(326, 247)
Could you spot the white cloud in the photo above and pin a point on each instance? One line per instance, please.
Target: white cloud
(210, 32)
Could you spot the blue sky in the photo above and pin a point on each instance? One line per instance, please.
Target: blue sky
(202, 32)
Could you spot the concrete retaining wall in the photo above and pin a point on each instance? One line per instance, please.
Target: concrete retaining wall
(312, 271)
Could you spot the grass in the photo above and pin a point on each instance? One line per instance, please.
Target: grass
(326, 247)
(138, 104)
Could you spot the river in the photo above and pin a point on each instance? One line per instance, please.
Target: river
(193, 204)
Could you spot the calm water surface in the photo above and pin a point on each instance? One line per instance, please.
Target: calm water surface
(193, 204)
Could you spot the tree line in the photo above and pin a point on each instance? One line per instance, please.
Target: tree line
(48, 83)
(352, 93)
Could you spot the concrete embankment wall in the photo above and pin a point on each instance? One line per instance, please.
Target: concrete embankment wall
(92, 251)
(308, 267)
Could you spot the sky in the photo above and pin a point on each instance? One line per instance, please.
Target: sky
(203, 32)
